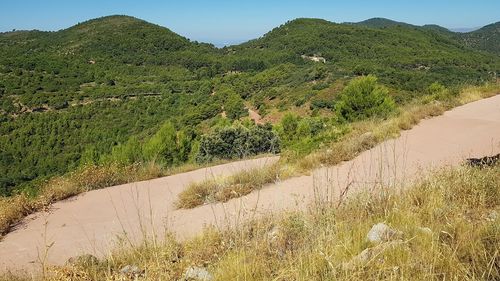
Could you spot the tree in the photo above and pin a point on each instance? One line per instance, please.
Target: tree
(233, 104)
(363, 98)
(162, 146)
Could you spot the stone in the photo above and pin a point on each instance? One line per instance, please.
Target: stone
(132, 271)
(273, 234)
(198, 274)
(486, 161)
(370, 254)
(382, 233)
(86, 259)
(425, 230)
(492, 216)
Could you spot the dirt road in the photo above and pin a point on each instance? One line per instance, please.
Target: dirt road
(94, 221)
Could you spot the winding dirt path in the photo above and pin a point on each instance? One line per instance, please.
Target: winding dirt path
(94, 221)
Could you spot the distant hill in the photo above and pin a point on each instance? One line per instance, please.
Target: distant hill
(120, 39)
(385, 23)
(381, 23)
(395, 52)
(486, 38)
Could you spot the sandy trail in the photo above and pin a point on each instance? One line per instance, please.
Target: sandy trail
(92, 222)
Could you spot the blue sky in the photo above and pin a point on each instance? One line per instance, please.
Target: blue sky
(224, 21)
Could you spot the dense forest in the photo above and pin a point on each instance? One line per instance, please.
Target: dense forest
(123, 90)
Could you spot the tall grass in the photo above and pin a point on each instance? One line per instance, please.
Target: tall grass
(449, 223)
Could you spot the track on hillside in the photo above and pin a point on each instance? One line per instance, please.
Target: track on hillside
(91, 223)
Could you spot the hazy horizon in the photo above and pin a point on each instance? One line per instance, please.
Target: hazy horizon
(224, 22)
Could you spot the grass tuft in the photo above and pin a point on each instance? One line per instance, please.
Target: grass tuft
(224, 189)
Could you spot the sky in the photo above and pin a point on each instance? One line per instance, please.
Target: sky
(227, 22)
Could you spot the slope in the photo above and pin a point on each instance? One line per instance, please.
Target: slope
(91, 222)
(486, 38)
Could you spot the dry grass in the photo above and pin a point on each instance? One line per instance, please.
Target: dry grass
(460, 207)
(224, 189)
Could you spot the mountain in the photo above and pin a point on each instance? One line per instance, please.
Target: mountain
(396, 53)
(387, 23)
(486, 38)
(82, 90)
(76, 96)
(381, 23)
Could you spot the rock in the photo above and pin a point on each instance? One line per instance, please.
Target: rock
(382, 233)
(198, 274)
(492, 216)
(273, 234)
(425, 230)
(86, 259)
(370, 254)
(132, 271)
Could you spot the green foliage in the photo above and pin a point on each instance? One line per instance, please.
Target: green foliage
(486, 38)
(127, 153)
(167, 146)
(233, 104)
(304, 134)
(363, 98)
(237, 141)
(403, 56)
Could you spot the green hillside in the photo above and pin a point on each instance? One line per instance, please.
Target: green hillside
(102, 89)
(92, 86)
(402, 56)
(486, 38)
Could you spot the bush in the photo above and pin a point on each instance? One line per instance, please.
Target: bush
(168, 146)
(363, 98)
(237, 142)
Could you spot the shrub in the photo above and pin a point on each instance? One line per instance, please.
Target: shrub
(363, 98)
(237, 142)
(168, 146)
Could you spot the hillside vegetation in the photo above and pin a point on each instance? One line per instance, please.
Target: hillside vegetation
(486, 38)
(116, 89)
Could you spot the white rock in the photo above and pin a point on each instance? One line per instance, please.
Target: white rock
(273, 234)
(370, 254)
(492, 216)
(425, 230)
(132, 271)
(382, 233)
(197, 273)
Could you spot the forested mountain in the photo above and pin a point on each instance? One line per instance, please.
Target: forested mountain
(385, 23)
(486, 38)
(401, 55)
(78, 95)
(381, 23)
